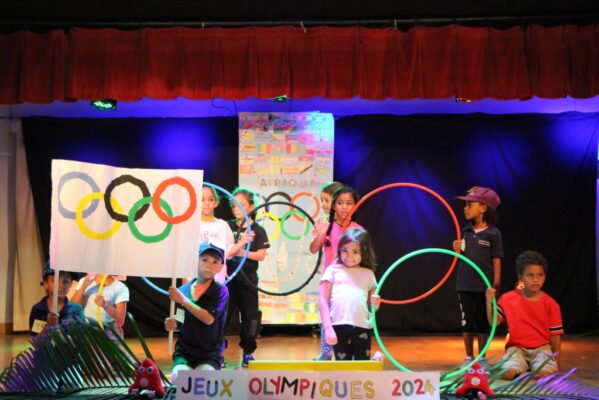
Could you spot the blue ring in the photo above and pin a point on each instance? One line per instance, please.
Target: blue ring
(85, 178)
(247, 246)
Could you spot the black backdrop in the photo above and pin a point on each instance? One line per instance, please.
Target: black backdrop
(542, 166)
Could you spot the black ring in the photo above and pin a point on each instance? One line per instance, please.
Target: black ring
(297, 289)
(119, 181)
(270, 196)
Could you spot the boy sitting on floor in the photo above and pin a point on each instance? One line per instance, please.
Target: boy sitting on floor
(533, 319)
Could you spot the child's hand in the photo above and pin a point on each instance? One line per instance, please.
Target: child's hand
(490, 294)
(458, 245)
(330, 336)
(245, 237)
(52, 319)
(170, 324)
(176, 295)
(375, 300)
(321, 227)
(100, 301)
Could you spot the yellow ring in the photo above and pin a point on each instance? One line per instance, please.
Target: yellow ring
(272, 217)
(81, 222)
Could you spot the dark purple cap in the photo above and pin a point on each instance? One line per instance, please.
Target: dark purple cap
(482, 195)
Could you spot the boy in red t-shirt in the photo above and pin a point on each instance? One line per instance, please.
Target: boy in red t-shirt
(533, 318)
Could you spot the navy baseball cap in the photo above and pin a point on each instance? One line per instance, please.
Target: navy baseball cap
(206, 246)
(47, 271)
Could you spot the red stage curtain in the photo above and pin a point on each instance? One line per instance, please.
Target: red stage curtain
(235, 63)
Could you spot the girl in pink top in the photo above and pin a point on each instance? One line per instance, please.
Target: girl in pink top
(343, 201)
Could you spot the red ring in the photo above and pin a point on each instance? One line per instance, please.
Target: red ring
(316, 201)
(193, 202)
(455, 223)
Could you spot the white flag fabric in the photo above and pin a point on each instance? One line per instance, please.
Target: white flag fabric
(122, 221)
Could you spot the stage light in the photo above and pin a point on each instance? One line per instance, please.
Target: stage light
(462, 100)
(280, 99)
(106, 104)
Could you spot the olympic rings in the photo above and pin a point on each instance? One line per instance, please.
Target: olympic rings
(247, 246)
(455, 223)
(287, 235)
(140, 207)
(456, 255)
(193, 201)
(136, 233)
(85, 178)
(313, 197)
(275, 219)
(250, 283)
(96, 196)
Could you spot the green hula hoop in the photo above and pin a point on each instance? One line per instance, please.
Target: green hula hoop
(453, 254)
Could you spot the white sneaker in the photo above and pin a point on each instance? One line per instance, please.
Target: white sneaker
(378, 356)
(467, 361)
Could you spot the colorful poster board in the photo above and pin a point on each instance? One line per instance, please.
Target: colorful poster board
(287, 157)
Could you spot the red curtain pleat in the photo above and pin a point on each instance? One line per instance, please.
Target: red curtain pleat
(339, 63)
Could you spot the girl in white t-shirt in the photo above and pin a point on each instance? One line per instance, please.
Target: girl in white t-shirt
(214, 230)
(346, 293)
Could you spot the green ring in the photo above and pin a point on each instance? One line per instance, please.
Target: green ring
(453, 254)
(133, 228)
(287, 235)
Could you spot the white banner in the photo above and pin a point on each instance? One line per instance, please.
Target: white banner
(140, 222)
(287, 157)
(289, 385)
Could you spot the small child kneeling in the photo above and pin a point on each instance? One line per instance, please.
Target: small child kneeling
(205, 301)
(533, 319)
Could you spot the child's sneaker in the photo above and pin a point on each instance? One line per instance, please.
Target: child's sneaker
(324, 357)
(378, 356)
(467, 361)
(246, 360)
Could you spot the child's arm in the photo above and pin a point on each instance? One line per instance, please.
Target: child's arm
(117, 311)
(79, 296)
(375, 299)
(236, 249)
(320, 235)
(490, 294)
(556, 347)
(195, 310)
(257, 255)
(325, 312)
(496, 273)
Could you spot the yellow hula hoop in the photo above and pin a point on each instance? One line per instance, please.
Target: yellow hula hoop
(98, 310)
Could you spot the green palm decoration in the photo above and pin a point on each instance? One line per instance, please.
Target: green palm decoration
(79, 359)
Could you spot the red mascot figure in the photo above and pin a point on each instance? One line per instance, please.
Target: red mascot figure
(476, 383)
(147, 377)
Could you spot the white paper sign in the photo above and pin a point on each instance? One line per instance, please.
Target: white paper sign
(289, 385)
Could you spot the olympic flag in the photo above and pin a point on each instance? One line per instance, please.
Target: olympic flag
(139, 222)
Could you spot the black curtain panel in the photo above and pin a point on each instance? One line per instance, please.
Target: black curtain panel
(542, 166)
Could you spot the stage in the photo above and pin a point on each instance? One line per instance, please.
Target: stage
(419, 353)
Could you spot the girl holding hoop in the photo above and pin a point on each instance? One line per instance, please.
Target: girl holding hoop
(243, 295)
(327, 233)
(346, 293)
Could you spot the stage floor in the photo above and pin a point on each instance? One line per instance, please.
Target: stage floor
(419, 353)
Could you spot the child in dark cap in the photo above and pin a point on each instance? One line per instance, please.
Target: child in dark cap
(481, 242)
(205, 301)
(42, 318)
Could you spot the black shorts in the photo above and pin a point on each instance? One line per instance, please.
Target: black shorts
(473, 312)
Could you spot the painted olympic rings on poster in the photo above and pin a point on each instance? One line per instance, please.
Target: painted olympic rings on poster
(302, 285)
(292, 201)
(89, 204)
(275, 219)
(397, 264)
(455, 224)
(247, 246)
